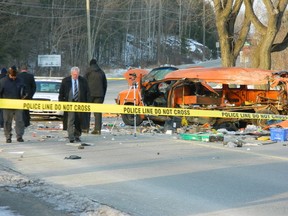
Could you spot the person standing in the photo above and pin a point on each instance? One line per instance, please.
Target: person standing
(74, 88)
(97, 83)
(30, 87)
(12, 87)
(2, 75)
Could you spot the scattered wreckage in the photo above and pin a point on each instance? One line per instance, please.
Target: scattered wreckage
(233, 89)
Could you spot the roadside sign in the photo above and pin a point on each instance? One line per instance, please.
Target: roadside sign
(49, 60)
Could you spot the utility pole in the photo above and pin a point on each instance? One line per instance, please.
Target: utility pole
(159, 53)
(88, 30)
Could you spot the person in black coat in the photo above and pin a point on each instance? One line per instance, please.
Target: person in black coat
(97, 83)
(12, 87)
(74, 88)
(30, 88)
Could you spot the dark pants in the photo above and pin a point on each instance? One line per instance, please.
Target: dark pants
(26, 118)
(98, 116)
(1, 119)
(9, 114)
(85, 120)
(74, 125)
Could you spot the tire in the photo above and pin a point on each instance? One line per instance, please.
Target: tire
(128, 119)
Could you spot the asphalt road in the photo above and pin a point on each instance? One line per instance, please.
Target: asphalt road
(150, 175)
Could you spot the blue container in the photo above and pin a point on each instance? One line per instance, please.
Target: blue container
(279, 134)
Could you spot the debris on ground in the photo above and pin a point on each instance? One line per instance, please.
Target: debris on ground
(73, 157)
(252, 135)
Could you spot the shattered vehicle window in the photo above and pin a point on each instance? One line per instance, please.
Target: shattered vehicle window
(47, 87)
(158, 74)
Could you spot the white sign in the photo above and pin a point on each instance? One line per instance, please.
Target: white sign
(49, 60)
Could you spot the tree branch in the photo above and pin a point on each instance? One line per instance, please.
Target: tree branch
(243, 35)
(237, 7)
(228, 8)
(277, 47)
(250, 13)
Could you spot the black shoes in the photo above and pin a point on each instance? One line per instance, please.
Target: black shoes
(71, 141)
(20, 139)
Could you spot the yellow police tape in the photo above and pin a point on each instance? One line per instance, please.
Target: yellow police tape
(123, 109)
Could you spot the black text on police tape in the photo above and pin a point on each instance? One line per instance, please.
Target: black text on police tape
(55, 106)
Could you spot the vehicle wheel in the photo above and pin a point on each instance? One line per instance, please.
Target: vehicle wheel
(128, 119)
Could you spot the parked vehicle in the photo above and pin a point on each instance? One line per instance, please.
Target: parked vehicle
(47, 89)
(227, 89)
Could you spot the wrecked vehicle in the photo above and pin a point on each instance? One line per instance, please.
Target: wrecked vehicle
(226, 89)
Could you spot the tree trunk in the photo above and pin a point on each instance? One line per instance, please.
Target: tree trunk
(226, 54)
(267, 32)
(230, 44)
(262, 55)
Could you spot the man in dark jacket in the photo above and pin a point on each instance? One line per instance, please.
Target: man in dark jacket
(74, 88)
(12, 87)
(30, 87)
(97, 83)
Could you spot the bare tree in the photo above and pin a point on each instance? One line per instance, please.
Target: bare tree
(279, 59)
(231, 42)
(267, 32)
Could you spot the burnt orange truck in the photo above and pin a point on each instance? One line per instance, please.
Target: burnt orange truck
(228, 89)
